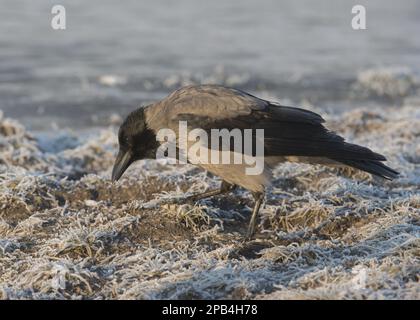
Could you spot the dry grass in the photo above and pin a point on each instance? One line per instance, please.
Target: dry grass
(67, 232)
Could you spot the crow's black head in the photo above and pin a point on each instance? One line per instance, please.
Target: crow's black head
(136, 142)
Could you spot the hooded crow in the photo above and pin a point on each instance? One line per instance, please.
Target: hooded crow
(290, 134)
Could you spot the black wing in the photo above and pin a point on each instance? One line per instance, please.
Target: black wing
(288, 131)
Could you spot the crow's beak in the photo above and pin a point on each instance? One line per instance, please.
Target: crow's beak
(121, 164)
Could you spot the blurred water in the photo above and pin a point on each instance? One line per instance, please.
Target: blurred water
(294, 50)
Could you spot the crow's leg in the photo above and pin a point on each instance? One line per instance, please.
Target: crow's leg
(259, 198)
(224, 188)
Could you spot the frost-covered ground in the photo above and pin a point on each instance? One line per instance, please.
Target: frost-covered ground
(67, 232)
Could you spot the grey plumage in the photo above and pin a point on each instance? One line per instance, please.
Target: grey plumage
(290, 134)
